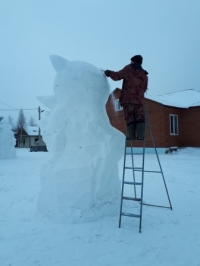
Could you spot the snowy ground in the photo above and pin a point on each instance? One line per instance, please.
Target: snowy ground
(168, 237)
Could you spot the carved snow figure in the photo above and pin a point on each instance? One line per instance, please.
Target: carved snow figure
(7, 140)
(81, 181)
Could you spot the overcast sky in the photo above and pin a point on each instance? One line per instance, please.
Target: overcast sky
(105, 33)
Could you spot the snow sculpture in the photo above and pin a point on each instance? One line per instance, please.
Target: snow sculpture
(7, 140)
(81, 181)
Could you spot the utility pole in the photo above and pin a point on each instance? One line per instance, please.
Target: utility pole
(21, 137)
(39, 112)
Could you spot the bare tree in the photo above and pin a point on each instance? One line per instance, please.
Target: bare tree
(32, 122)
(11, 121)
(21, 121)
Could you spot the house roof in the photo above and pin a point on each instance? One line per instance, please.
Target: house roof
(181, 99)
(32, 130)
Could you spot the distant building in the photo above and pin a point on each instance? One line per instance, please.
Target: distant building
(26, 138)
(175, 118)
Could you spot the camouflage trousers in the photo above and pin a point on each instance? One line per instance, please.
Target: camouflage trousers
(133, 112)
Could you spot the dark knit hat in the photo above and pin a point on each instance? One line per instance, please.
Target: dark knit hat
(137, 59)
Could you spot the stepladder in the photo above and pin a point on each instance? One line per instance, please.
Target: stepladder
(138, 173)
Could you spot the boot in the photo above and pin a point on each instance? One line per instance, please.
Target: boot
(140, 127)
(131, 131)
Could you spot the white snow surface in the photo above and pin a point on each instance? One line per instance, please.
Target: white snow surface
(7, 140)
(181, 99)
(169, 237)
(80, 183)
(32, 130)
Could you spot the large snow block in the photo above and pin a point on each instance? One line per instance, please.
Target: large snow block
(7, 140)
(81, 182)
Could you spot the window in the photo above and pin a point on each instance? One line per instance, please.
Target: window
(174, 125)
(118, 107)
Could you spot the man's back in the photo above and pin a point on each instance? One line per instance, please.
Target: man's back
(135, 82)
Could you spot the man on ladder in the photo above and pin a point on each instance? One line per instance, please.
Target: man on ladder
(134, 86)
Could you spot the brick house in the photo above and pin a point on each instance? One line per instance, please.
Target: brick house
(175, 118)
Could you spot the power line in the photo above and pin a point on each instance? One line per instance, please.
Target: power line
(18, 109)
(15, 109)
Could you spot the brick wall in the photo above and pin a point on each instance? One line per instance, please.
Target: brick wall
(188, 120)
(190, 127)
(172, 140)
(156, 113)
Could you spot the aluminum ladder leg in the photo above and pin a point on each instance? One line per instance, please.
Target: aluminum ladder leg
(142, 170)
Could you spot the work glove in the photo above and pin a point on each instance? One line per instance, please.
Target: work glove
(107, 73)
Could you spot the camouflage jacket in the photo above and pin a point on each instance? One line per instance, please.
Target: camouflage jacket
(135, 83)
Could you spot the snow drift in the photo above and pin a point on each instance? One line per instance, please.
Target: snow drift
(7, 140)
(81, 182)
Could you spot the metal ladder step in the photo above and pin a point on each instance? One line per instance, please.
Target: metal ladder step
(132, 183)
(131, 198)
(140, 169)
(134, 153)
(134, 168)
(130, 215)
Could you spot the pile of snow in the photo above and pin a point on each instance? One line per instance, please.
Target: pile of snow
(181, 99)
(7, 140)
(81, 182)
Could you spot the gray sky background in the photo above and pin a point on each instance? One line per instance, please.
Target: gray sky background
(105, 33)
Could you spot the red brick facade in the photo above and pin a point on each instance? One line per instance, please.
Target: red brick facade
(159, 114)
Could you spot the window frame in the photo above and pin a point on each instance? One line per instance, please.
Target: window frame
(118, 107)
(174, 128)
